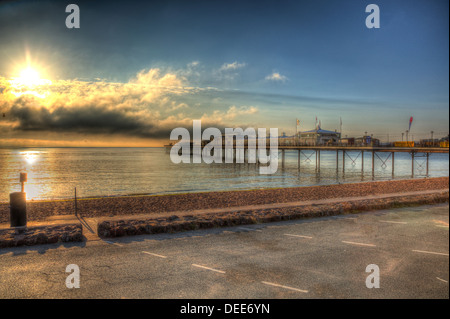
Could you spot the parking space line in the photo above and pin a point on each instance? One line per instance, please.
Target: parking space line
(113, 243)
(392, 222)
(441, 222)
(250, 229)
(442, 280)
(300, 236)
(285, 287)
(430, 252)
(207, 268)
(358, 244)
(156, 255)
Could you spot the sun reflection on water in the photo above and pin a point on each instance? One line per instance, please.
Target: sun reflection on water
(32, 188)
(32, 191)
(30, 157)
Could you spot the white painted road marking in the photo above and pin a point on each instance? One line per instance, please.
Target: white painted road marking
(212, 269)
(441, 279)
(285, 287)
(359, 244)
(430, 252)
(392, 222)
(250, 229)
(301, 236)
(441, 223)
(113, 243)
(160, 256)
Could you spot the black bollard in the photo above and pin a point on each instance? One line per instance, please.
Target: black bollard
(18, 209)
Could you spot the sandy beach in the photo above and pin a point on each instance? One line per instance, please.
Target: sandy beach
(133, 205)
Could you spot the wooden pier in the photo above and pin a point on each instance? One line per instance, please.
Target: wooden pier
(413, 151)
(346, 151)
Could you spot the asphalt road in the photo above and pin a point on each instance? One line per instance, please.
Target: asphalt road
(314, 258)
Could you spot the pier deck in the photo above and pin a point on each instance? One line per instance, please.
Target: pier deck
(368, 148)
(345, 150)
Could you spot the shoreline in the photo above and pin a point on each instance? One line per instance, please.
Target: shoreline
(156, 204)
(132, 195)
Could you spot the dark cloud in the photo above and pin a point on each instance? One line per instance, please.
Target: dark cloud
(86, 119)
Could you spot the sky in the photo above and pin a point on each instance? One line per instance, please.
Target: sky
(135, 70)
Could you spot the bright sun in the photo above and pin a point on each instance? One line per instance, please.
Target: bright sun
(29, 81)
(29, 77)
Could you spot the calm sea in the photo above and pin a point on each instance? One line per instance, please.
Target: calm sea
(53, 173)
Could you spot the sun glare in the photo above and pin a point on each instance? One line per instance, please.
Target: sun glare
(30, 157)
(29, 81)
(29, 77)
